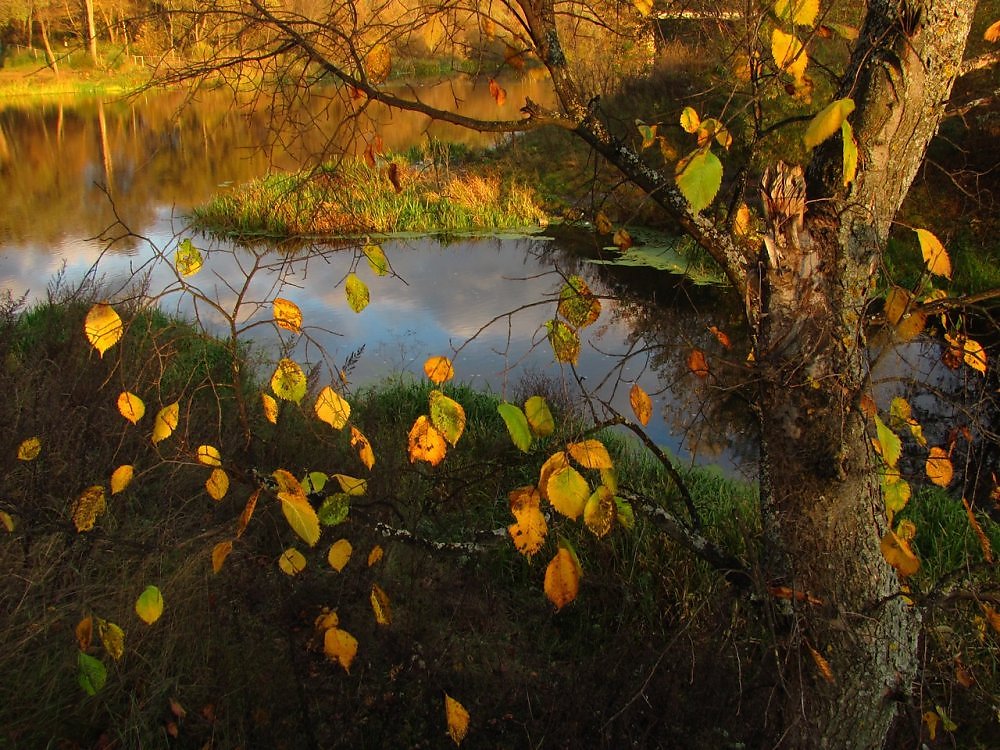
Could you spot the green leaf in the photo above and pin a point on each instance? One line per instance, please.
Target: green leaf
(800, 12)
(539, 417)
(92, 673)
(564, 340)
(288, 381)
(827, 122)
(188, 259)
(517, 425)
(447, 416)
(376, 259)
(648, 133)
(334, 509)
(568, 491)
(314, 481)
(577, 304)
(895, 490)
(699, 176)
(889, 444)
(626, 515)
(357, 293)
(149, 605)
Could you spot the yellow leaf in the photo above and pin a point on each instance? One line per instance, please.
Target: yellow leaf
(564, 340)
(332, 408)
(217, 484)
(121, 478)
(984, 541)
(287, 315)
(455, 714)
(827, 122)
(539, 417)
(552, 464)
(375, 556)
(112, 638)
(645, 7)
(149, 605)
(286, 481)
(439, 369)
(939, 468)
(340, 646)
(789, 54)
(103, 327)
(339, 554)
(562, 578)
(590, 454)
(992, 34)
(567, 491)
(935, 256)
(974, 355)
(896, 551)
(188, 259)
(799, 12)
(931, 719)
(578, 305)
(426, 443)
(850, 153)
(88, 507)
(288, 381)
(602, 223)
(270, 408)
(380, 605)
(376, 259)
(360, 443)
(166, 422)
(742, 222)
(247, 514)
(7, 521)
(292, 562)
(131, 406)
(600, 511)
(821, 664)
(209, 455)
(300, 516)
(447, 416)
(84, 632)
(219, 554)
(29, 449)
(690, 120)
(529, 528)
(326, 619)
(357, 293)
(350, 485)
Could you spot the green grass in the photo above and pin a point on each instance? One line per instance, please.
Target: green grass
(353, 198)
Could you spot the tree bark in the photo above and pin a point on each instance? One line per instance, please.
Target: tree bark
(88, 6)
(50, 58)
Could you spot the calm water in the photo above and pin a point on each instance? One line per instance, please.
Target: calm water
(75, 175)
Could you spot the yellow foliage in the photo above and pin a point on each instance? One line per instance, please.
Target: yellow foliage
(300, 515)
(562, 578)
(292, 562)
(131, 406)
(935, 256)
(600, 511)
(552, 464)
(456, 717)
(29, 449)
(166, 422)
(121, 478)
(339, 554)
(375, 555)
(529, 528)
(332, 408)
(590, 454)
(938, 467)
(360, 443)
(84, 632)
(789, 54)
(7, 521)
(270, 408)
(247, 514)
(88, 507)
(209, 455)
(287, 315)
(217, 484)
(380, 605)
(103, 327)
(219, 554)
(439, 369)
(288, 381)
(896, 551)
(112, 638)
(426, 443)
(567, 491)
(149, 605)
(340, 646)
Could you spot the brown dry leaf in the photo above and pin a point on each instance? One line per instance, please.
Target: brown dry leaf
(868, 407)
(514, 57)
(938, 467)
(721, 336)
(697, 363)
(984, 541)
(784, 592)
(622, 240)
(992, 617)
(498, 93)
(219, 554)
(247, 514)
(821, 664)
(602, 223)
(177, 709)
(962, 674)
(85, 632)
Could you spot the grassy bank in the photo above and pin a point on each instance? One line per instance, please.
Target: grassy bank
(237, 652)
(352, 198)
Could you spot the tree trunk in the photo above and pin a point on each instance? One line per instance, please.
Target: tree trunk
(88, 6)
(50, 58)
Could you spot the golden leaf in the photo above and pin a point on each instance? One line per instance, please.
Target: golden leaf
(577, 304)
(455, 715)
(641, 404)
(360, 443)
(121, 478)
(217, 484)
(270, 408)
(426, 443)
(498, 93)
(827, 122)
(439, 369)
(288, 381)
(938, 467)
(166, 422)
(247, 514)
(821, 664)
(850, 159)
(287, 315)
(539, 417)
(339, 554)
(88, 507)
(992, 33)
(332, 408)
(622, 239)
(562, 578)
(380, 605)
(112, 638)
(378, 63)
(789, 54)
(567, 491)
(552, 464)
(350, 485)
(935, 256)
(209, 455)
(375, 556)
(149, 605)
(7, 521)
(131, 406)
(326, 619)
(590, 454)
(340, 646)
(219, 554)
(85, 632)
(984, 541)
(29, 449)
(103, 327)
(529, 528)
(286, 481)
(697, 363)
(645, 7)
(896, 551)
(690, 121)
(799, 12)
(600, 511)
(447, 416)
(898, 302)
(300, 516)
(292, 562)
(721, 336)
(602, 223)
(931, 719)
